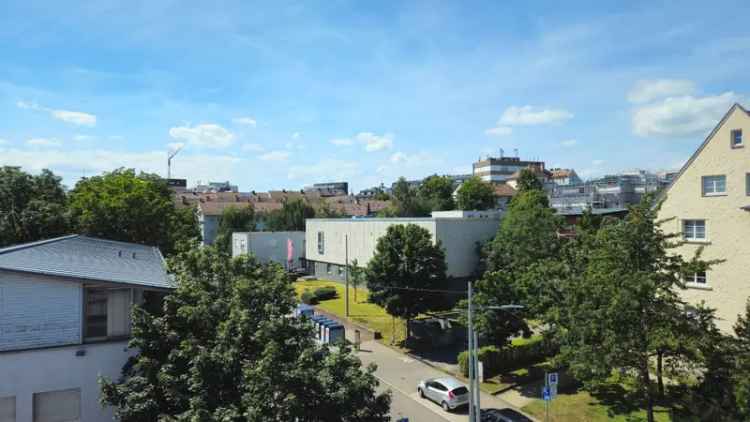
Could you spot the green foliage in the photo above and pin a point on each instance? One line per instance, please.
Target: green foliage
(405, 258)
(437, 193)
(309, 298)
(233, 219)
(325, 293)
(291, 216)
(475, 194)
(122, 205)
(223, 349)
(357, 276)
(499, 360)
(324, 210)
(528, 180)
(405, 202)
(32, 207)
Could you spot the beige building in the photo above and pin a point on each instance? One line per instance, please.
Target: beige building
(709, 201)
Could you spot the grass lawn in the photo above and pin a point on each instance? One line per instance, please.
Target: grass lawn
(580, 406)
(367, 314)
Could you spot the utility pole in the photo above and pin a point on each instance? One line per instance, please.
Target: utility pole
(346, 272)
(170, 156)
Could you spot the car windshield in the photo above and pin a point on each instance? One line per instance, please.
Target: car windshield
(460, 391)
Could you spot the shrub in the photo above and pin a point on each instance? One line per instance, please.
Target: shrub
(308, 297)
(498, 360)
(325, 293)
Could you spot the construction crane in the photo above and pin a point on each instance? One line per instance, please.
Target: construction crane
(170, 156)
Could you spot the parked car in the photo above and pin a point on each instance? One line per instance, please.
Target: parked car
(503, 415)
(448, 392)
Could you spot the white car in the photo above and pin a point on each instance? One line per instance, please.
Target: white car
(448, 392)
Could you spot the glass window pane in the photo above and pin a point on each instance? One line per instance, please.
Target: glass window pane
(96, 313)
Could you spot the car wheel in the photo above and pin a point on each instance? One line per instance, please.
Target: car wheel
(445, 407)
(421, 393)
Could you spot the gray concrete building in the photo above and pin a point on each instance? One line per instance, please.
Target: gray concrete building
(459, 232)
(271, 247)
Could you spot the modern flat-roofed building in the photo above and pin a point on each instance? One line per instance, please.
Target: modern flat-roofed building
(459, 232)
(65, 307)
(708, 204)
(284, 248)
(500, 169)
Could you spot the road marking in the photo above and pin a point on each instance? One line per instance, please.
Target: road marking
(415, 396)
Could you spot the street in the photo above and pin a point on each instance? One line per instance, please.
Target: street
(401, 374)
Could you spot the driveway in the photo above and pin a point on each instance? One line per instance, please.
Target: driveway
(401, 374)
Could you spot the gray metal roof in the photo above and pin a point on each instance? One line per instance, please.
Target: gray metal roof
(90, 259)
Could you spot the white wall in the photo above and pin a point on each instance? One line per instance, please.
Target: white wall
(36, 311)
(24, 373)
(459, 238)
(269, 246)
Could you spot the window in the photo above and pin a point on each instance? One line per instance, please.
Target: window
(736, 138)
(329, 268)
(694, 229)
(321, 243)
(58, 406)
(714, 185)
(107, 313)
(697, 278)
(341, 270)
(8, 409)
(747, 184)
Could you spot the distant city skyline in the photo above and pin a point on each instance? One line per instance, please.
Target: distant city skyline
(283, 95)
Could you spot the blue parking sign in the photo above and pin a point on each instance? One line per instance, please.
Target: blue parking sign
(546, 395)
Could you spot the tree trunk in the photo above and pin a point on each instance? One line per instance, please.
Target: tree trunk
(659, 379)
(649, 393)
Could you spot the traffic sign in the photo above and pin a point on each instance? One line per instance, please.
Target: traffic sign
(546, 394)
(552, 378)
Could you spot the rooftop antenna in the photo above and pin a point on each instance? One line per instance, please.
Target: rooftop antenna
(515, 151)
(502, 153)
(170, 156)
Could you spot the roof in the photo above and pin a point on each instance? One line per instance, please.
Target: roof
(449, 382)
(562, 173)
(700, 148)
(90, 259)
(217, 208)
(504, 190)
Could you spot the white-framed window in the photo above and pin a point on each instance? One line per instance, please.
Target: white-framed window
(698, 278)
(694, 230)
(321, 243)
(56, 406)
(736, 138)
(714, 185)
(106, 313)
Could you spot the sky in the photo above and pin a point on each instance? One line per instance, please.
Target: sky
(281, 95)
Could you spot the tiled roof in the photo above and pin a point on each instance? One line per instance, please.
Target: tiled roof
(560, 173)
(217, 208)
(90, 259)
(504, 190)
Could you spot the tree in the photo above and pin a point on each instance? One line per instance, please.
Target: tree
(223, 349)
(325, 210)
(475, 194)
(405, 261)
(528, 180)
(624, 302)
(356, 276)
(32, 207)
(405, 202)
(233, 219)
(122, 205)
(291, 216)
(437, 192)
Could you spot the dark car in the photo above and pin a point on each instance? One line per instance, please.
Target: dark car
(503, 415)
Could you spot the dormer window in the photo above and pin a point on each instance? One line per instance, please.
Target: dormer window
(736, 139)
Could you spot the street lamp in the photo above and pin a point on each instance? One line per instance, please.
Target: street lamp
(474, 405)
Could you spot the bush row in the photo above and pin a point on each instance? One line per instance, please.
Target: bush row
(498, 360)
(321, 293)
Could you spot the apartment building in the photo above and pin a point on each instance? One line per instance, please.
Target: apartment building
(708, 203)
(65, 307)
(501, 169)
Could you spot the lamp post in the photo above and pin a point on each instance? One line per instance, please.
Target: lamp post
(474, 402)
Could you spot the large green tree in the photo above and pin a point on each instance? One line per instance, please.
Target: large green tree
(224, 349)
(475, 194)
(437, 192)
(528, 180)
(126, 206)
(406, 202)
(32, 207)
(233, 219)
(406, 263)
(291, 216)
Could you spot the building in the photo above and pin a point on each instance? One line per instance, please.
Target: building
(65, 306)
(708, 203)
(460, 233)
(209, 214)
(500, 169)
(564, 177)
(284, 248)
(329, 189)
(216, 187)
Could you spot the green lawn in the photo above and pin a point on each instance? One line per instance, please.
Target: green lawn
(360, 311)
(580, 406)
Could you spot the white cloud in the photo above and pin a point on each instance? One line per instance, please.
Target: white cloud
(174, 146)
(569, 142)
(681, 116)
(208, 135)
(341, 141)
(77, 118)
(275, 156)
(296, 135)
(43, 142)
(375, 142)
(529, 116)
(499, 131)
(398, 157)
(645, 91)
(253, 147)
(82, 138)
(325, 169)
(245, 121)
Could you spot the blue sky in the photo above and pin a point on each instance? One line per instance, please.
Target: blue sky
(280, 95)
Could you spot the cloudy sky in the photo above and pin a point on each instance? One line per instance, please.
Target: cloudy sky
(280, 95)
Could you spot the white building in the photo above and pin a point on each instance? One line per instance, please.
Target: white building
(65, 307)
(501, 169)
(271, 247)
(459, 232)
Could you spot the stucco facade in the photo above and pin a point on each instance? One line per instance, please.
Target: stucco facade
(726, 223)
(270, 246)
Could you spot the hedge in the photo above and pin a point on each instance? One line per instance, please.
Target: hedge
(498, 360)
(325, 293)
(308, 298)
